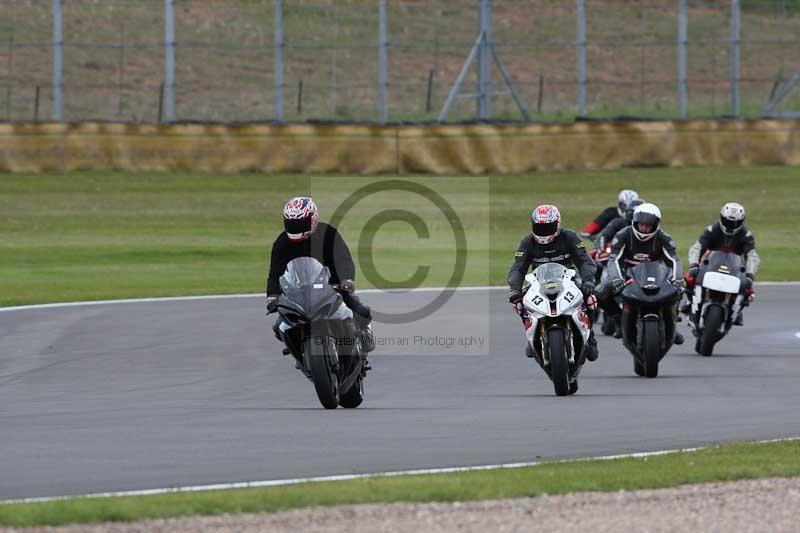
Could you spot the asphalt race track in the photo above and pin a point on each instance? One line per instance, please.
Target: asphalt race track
(161, 394)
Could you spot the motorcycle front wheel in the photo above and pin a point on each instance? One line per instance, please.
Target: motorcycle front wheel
(326, 382)
(711, 326)
(559, 365)
(651, 348)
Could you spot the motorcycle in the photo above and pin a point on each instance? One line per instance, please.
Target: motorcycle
(320, 333)
(648, 316)
(717, 298)
(556, 325)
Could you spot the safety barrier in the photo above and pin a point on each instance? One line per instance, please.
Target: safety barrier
(398, 149)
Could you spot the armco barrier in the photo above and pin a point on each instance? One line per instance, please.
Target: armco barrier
(371, 149)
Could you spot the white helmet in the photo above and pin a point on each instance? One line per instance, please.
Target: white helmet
(624, 199)
(646, 215)
(731, 218)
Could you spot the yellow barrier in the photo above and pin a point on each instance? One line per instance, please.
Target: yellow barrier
(371, 149)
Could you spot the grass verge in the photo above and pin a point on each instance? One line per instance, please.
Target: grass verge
(720, 463)
(93, 235)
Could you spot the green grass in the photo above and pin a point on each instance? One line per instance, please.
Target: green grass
(723, 463)
(87, 236)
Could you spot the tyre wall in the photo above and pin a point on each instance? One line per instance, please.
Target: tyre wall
(372, 149)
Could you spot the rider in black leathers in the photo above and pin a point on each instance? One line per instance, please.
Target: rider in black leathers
(549, 243)
(728, 234)
(305, 236)
(640, 242)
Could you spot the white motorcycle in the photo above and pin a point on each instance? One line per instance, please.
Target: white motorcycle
(717, 299)
(556, 325)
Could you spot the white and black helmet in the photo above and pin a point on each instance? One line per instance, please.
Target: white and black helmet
(731, 218)
(646, 217)
(624, 199)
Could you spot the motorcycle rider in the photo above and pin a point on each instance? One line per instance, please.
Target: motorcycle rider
(642, 241)
(624, 198)
(613, 227)
(550, 243)
(305, 236)
(601, 255)
(729, 234)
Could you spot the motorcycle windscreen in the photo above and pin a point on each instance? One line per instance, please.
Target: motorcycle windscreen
(304, 272)
(725, 262)
(651, 273)
(306, 283)
(550, 277)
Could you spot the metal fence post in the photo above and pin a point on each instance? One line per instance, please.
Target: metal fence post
(169, 60)
(485, 62)
(735, 41)
(581, 57)
(383, 75)
(58, 45)
(682, 37)
(278, 49)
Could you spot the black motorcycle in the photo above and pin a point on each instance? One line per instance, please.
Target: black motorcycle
(319, 331)
(717, 297)
(648, 316)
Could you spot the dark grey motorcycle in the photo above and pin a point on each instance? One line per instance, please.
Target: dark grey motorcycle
(319, 331)
(648, 315)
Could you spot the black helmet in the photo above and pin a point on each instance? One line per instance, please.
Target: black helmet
(631, 208)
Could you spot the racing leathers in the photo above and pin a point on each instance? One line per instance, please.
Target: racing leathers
(628, 251)
(568, 250)
(328, 247)
(741, 243)
(607, 234)
(603, 219)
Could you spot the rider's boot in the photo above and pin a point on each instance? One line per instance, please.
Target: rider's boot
(591, 348)
(364, 326)
(678, 339)
(617, 327)
(528, 350)
(738, 320)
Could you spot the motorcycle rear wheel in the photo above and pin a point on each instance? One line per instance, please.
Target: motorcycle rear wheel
(354, 395)
(326, 382)
(559, 366)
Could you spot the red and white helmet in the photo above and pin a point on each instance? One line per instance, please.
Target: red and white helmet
(300, 218)
(731, 218)
(646, 221)
(624, 199)
(545, 223)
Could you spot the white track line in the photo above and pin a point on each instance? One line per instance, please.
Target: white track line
(261, 295)
(346, 477)
(225, 297)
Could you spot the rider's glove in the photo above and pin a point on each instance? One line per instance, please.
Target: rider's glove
(587, 289)
(617, 285)
(347, 285)
(679, 284)
(272, 304)
(749, 293)
(515, 298)
(694, 269)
